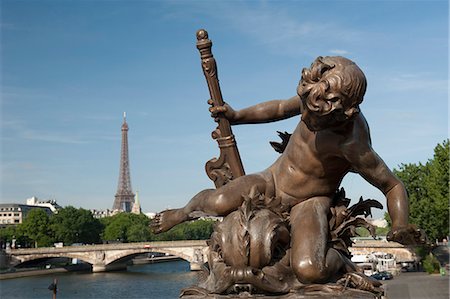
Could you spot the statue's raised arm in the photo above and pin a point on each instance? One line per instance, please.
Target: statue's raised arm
(265, 112)
(229, 165)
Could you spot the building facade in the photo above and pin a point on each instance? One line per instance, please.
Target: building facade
(13, 214)
(103, 213)
(51, 204)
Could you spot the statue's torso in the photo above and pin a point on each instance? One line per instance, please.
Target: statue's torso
(312, 164)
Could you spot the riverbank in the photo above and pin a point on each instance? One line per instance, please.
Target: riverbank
(36, 272)
(81, 267)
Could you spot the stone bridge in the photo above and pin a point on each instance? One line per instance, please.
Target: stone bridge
(106, 257)
(402, 253)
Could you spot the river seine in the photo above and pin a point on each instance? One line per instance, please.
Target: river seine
(161, 280)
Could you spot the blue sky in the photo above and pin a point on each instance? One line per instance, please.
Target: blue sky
(70, 69)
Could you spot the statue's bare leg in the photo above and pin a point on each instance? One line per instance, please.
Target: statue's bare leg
(311, 258)
(216, 202)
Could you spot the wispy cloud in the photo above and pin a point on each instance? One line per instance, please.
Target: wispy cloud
(22, 179)
(57, 138)
(274, 27)
(404, 84)
(99, 117)
(20, 129)
(13, 94)
(279, 30)
(6, 26)
(339, 52)
(420, 81)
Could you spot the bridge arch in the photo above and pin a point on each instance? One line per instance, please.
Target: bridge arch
(123, 254)
(28, 258)
(103, 255)
(107, 260)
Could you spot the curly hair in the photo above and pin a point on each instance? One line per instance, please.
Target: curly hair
(332, 82)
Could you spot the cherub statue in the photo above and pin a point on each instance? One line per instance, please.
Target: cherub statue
(331, 140)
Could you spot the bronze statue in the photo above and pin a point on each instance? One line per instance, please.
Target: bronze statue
(289, 226)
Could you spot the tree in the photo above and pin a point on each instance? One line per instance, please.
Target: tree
(73, 225)
(387, 217)
(199, 230)
(428, 190)
(438, 190)
(379, 231)
(7, 234)
(194, 230)
(36, 226)
(126, 227)
(431, 264)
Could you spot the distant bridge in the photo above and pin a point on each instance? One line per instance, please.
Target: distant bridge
(401, 252)
(106, 257)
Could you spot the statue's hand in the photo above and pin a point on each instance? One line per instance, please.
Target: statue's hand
(408, 235)
(226, 111)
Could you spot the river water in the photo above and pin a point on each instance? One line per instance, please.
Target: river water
(161, 280)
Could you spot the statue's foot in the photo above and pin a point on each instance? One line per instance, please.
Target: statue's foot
(361, 282)
(167, 219)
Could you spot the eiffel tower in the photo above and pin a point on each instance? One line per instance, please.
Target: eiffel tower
(124, 198)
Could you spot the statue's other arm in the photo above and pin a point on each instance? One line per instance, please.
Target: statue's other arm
(373, 169)
(261, 113)
(364, 160)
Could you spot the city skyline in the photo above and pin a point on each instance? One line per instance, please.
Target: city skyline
(70, 69)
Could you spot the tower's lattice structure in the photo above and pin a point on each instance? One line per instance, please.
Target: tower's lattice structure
(124, 198)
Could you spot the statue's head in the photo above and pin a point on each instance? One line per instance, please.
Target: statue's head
(331, 91)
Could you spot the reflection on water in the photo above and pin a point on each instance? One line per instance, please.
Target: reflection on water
(162, 280)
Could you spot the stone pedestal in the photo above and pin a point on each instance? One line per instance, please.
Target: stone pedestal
(308, 292)
(345, 295)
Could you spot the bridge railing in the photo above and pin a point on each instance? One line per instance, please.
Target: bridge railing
(115, 246)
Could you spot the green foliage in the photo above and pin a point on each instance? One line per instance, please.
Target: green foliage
(73, 225)
(7, 233)
(70, 225)
(126, 227)
(388, 219)
(36, 227)
(194, 230)
(362, 232)
(431, 264)
(422, 252)
(428, 190)
(199, 230)
(11, 232)
(380, 231)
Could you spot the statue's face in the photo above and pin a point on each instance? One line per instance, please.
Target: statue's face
(314, 121)
(337, 117)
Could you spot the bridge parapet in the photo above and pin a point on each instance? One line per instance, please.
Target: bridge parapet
(402, 253)
(115, 246)
(106, 257)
